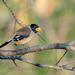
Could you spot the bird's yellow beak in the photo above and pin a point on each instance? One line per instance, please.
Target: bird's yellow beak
(38, 29)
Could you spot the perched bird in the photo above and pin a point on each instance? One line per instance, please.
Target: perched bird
(23, 35)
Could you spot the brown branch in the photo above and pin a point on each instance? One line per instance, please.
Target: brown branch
(66, 46)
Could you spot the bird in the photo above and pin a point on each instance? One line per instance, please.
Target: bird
(23, 35)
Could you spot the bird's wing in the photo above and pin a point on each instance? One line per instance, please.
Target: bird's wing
(21, 34)
(24, 31)
(20, 37)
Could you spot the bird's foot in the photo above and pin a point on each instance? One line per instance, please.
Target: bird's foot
(17, 47)
(26, 46)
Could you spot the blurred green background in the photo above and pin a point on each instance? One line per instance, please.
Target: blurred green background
(57, 21)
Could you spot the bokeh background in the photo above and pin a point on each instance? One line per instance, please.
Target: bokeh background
(57, 21)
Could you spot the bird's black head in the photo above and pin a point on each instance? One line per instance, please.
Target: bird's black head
(35, 28)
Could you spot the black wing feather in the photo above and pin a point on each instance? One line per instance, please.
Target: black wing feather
(5, 43)
(20, 37)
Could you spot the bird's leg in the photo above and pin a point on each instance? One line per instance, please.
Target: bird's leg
(26, 46)
(17, 46)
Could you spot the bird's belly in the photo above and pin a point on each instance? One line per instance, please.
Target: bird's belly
(23, 41)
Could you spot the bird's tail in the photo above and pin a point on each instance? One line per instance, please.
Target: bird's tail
(5, 44)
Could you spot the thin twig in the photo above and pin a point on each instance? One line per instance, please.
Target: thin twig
(12, 13)
(55, 55)
(61, 57)
(15, 27)
(15, 63)
(41, 41)
(70, 62)
(42, 37)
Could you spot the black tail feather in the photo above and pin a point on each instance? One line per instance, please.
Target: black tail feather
(5, 44)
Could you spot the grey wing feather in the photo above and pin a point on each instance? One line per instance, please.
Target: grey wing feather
(24, 31)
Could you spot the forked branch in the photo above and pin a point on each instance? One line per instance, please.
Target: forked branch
(38, 64)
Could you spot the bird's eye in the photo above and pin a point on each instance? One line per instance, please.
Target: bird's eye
(35, 26)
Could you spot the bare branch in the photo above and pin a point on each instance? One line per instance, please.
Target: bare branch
(38, 64)
(12, 13)
(16, 64)
(47, 66)
(61, 58)
(70, 62)
(66, 46)
(41, 37)
(11, 57)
